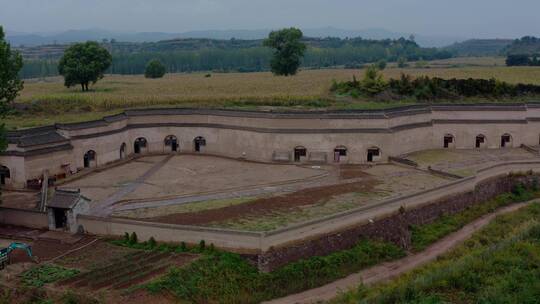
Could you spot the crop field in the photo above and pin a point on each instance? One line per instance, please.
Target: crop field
(48, 101)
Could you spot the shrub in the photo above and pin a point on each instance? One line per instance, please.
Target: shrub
(152, 242)
(202, 245)
(133, 238)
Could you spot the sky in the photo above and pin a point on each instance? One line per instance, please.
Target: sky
(462, 18)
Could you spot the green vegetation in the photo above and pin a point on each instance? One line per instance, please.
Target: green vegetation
(154, 69)
(523, 60)
(431, 89)
(48, 273)
(10, 84)
(189, 55)
(288, 51)
(499, 264)
(83, 63)
(479, 47)
(226, 277)
(425, 235)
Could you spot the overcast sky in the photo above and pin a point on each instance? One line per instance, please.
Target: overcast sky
(469, 18)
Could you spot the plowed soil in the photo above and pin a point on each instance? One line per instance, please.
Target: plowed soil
(268, 205)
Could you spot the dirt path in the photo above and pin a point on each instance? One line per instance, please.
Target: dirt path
(389, 270)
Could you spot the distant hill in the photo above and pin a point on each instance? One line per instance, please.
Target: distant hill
(34, 39)
(479, 47)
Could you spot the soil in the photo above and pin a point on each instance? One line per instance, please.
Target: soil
(262, 206)
(46, 250)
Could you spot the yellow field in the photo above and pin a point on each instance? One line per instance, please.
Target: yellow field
(51, 101)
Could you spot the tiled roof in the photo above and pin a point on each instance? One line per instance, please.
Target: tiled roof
(65, 199)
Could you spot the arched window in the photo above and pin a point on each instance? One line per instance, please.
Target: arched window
(481, 141)
(199, 142)
(373, 154)
(339, 153)
(172, 142)
(123, 147)
(506, 140)
(299, 152)
(4, 174)
(89, 159)
(448, 141)
(139, 145)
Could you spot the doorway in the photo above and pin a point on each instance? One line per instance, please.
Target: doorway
(60, 218)
(373, 154)
(299, 152)
(199, 142)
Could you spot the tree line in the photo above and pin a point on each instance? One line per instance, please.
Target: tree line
(244, 57)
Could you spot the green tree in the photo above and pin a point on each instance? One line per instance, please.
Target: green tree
(289, 50)
(10, 84)
(83, 63)
(154, 69)
(373, 82)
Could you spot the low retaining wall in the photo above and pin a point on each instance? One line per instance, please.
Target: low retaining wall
(395, 228)
(388, 220)
(25, 218)
(239, 241)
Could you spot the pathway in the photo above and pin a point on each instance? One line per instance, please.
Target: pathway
(105, 207)
(389, 270)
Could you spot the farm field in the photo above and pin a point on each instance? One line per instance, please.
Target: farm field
(48, 101)
(94, 268)
(465, 162)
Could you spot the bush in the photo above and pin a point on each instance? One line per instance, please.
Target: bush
(133, 238)
(152, 242)
(154, 69)
(220, 277)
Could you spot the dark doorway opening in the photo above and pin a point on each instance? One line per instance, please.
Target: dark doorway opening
(372, 153)
(89, 158)
(480, 140)
(448, 140)
(199, 142)
(172, 141)
(505, 140)
(60, 218)
(339, 152)
(139, 144)
(299, 152)
(4, 173)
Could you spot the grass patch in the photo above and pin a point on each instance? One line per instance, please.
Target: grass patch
(182, 208)
(499, 264)
(425, 235)
(48, 273)
(221, 277)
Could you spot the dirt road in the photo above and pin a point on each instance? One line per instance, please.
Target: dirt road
(389, 270)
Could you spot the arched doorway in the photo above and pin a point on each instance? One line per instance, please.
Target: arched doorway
(506, 141)
(199, 142)
(4, 174)
(123, 151)
(448, 141)
(299, 153)
(480, 142)
(340, 153)
(373, 154)
(90, 159)
(139, 146)
(171, 142)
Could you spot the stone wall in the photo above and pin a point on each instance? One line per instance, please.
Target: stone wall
(395, 228)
